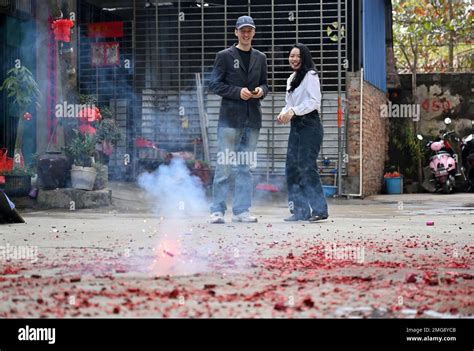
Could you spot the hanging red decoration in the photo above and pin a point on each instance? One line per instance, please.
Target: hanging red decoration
(27, 116)
(62, 30)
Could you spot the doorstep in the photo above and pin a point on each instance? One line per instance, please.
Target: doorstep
(74, 199)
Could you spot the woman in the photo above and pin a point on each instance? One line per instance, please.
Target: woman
(303, 100)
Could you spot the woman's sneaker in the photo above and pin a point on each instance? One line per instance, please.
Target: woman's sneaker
(295, 218)
(217, 218)
(244, 217)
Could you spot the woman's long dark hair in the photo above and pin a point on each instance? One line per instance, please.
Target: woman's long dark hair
(307, 65)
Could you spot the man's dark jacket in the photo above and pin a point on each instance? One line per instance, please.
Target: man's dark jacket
(228, 77)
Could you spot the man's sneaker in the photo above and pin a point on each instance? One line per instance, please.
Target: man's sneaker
(316, 218)
(244, 217)
(217, 218)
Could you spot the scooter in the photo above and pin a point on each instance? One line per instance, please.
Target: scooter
(467, 158)
(443, 164)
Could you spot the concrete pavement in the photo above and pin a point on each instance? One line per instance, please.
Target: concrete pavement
(377, 257)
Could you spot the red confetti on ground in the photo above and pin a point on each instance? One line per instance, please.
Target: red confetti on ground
(319, 283)
(10, 270)
(410, 278)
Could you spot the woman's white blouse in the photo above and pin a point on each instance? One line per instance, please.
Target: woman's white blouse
(306, 98)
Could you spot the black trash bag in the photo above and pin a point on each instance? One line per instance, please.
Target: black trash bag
(8, 213)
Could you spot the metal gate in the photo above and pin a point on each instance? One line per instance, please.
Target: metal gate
(176, 39)
(168, 42)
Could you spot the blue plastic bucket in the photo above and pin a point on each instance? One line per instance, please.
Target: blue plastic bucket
(393, 185)
(329, 190)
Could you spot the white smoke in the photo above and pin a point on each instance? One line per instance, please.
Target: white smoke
(174, 192)
(179, 199)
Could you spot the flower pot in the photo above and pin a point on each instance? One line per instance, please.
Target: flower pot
(393, 185)
(83, 177)
(17, 185)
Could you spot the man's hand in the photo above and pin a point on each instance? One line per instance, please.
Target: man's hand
(284, 118)
(257, 93)
(245, 94)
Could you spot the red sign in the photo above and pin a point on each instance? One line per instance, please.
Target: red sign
(105, 30)
(435, 105)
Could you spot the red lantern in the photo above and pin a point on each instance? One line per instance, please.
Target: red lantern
(62, 30)
(27, 116)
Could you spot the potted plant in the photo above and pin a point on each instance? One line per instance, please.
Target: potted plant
(101, 123)
(81, 149)
(21, 86)
(393, 182)
(108, 135)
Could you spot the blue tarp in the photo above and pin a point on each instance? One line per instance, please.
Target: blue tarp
(374, 57)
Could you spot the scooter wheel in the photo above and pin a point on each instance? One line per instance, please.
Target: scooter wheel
(447, 187)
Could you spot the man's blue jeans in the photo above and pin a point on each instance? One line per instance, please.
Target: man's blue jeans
(236, 149)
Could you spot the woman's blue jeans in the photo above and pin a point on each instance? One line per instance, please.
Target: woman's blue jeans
(305, 192)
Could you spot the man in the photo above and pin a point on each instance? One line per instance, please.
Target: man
(239, 76)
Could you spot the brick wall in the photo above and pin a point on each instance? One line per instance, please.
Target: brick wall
(374, 134)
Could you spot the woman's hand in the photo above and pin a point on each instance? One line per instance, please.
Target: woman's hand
(284, 118)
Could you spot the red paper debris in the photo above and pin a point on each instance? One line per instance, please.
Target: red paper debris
(280, 307)
(410, 278)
